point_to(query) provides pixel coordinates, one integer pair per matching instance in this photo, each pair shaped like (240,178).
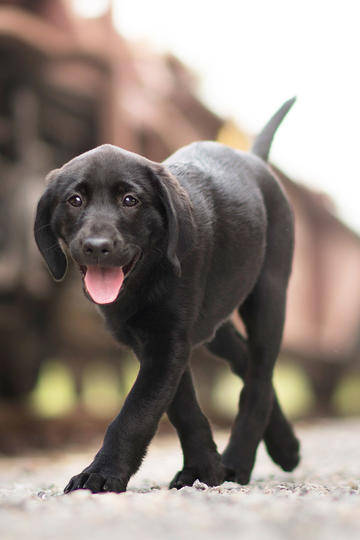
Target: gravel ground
(321,499)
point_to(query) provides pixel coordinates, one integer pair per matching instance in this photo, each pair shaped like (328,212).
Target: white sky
(251,55)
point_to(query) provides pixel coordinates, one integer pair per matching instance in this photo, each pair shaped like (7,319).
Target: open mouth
(104,283)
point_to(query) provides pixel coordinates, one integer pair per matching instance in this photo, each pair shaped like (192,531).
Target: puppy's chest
(141,330)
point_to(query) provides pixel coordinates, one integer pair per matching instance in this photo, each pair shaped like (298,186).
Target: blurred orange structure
(322,328)
(94,86)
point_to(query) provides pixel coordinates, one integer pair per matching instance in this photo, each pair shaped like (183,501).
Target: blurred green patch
(54,394)
(226,393)
(291,385)
(101,394)
(347,396)
(104,389)
(293,390)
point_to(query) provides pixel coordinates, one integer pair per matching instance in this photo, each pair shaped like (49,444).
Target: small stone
(200,485)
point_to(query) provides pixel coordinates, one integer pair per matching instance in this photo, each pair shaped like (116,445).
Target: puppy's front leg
(201,459)
(162,364)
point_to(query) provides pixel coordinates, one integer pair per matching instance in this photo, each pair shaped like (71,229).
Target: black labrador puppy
(168,251)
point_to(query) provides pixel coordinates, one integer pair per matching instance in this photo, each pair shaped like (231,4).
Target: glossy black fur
(212,233)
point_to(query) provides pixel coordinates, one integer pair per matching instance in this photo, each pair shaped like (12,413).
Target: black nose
(98,247)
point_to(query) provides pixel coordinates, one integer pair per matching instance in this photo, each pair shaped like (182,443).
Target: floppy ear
(45,237)
(179,216)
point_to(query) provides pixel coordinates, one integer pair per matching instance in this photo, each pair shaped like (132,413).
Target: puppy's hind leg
(201,459)
(263,313)
(279,438)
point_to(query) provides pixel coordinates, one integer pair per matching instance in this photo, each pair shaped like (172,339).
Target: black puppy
(169,251)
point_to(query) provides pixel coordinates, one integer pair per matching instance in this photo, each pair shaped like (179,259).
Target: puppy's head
(116,212)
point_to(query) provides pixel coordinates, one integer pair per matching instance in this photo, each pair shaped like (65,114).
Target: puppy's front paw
(212,476)
(239,476)
(96,483)
(237,468)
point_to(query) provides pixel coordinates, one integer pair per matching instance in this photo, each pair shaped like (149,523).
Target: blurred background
(151,77)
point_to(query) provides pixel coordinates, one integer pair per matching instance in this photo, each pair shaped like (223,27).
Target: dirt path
(320,500)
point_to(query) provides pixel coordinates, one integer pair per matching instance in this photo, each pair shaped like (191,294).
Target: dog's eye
(75,200)
(129,200)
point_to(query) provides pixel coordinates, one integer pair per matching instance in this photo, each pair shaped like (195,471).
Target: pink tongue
(103,283)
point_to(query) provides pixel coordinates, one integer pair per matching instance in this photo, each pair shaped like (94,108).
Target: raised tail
(262,143)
